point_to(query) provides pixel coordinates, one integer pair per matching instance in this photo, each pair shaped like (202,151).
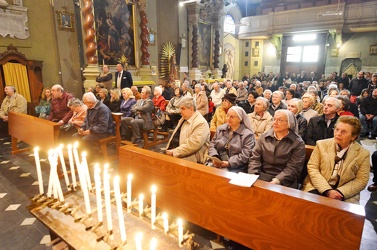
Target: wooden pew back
(265,216)
(32,130)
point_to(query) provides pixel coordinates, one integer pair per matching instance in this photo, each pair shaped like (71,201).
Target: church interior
(67,42)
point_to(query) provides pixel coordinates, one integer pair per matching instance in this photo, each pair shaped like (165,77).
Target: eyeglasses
(279,120)
(231,116)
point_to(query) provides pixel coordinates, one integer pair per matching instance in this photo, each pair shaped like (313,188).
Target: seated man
(368,112)
(12,102)
(142,116)
(190,139)
(60,112)
(322,127)
(98,122)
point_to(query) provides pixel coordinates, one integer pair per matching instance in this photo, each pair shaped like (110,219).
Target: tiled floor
(20,230)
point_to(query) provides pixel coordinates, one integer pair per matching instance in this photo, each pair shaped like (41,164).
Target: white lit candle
(97,181)
(138,239)
(129,182)
(84,164)
(153,206)
(72,166)
(84,189)
(180,232)
(106,187)
(50,184)
(165,222)
(62,162)
(57,181)
(118,199)
(141,204)
(39,172)
(153,244)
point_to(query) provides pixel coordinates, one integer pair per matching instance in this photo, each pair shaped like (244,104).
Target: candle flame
(164,215)
(154,189)
(76,144)
(116,179)
(50,152)
(61,146)
(69,146)
(36,149)
(129,177)
(179,222)
(141,197)
(139,236)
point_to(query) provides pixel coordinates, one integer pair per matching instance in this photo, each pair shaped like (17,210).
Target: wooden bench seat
(114,138)
(264,216)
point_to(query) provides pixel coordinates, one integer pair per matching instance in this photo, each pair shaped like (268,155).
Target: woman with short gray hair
(261,119)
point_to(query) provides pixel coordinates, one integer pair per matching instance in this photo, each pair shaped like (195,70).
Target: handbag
(159,118)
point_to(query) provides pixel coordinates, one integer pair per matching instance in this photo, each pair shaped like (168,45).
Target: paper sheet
(244,180)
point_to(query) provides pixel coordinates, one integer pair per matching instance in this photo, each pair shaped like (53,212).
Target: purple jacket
(125,107)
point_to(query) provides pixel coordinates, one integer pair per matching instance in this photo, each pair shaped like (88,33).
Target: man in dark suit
(123,78)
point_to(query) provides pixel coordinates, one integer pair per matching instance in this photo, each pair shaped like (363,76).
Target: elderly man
(190,139)
(241,93)
(229,89)
(142,116)
(217,94)
(136,93)
(60,112)
(98,122)
(277,103)
(123,78)
(368,114)
(322,127)
(12,102)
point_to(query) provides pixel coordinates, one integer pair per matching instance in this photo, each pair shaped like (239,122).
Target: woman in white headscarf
(279,155)
(233,141)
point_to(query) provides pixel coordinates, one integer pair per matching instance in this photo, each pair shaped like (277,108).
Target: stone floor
(20,230)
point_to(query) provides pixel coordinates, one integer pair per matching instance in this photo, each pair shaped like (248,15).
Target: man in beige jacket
(12,102)
(190,139)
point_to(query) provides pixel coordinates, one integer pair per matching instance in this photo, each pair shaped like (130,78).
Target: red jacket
(160,102)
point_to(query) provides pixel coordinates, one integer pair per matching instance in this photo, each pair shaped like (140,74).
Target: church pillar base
(90,73)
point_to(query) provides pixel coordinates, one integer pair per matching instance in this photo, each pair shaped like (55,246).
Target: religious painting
(114,20)
(205,44)
(65,20)
(373,50)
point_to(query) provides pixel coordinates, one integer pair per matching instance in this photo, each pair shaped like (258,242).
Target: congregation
(257,125)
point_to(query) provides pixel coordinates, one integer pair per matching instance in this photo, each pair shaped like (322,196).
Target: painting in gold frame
(205,45)
(65,20)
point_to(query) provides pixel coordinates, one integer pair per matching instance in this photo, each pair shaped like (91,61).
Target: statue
(172,67)
(224,70)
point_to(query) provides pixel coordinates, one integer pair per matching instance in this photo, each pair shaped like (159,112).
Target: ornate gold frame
(373,49)
(65,20)
(152,37)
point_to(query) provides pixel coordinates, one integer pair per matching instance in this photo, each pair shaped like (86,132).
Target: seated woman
(114,103)
(219,118)
(103,96)
(307,103)
(295,106)
(43,109)
(289,95)
(158,100)
(233,141)
(127,102)
(261,120)
(345,105)
(201,100)
(172,109)
(339,167)
(279,155)
(77,120)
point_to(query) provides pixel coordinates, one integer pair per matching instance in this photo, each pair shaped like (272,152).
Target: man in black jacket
(322,127)
(123,78)
(357,85)
(368,114)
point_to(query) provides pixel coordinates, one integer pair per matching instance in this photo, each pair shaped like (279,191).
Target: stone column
(145,71)
(91,71)
(193,12)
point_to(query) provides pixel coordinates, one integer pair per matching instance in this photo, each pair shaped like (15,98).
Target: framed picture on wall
(65,20)
(373,50)
(152,37)
(205,44)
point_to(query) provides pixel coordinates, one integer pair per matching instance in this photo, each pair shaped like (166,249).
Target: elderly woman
(233,141)
(127,102)
(276,102)
(201,100)
(158,100)
(279,155)
(219,118)
(78,118)
(344,105)
(339,167)
(267,94)
(105,77)
(115,101)
(261,120)
(307,103)
(295,106)
(172,109)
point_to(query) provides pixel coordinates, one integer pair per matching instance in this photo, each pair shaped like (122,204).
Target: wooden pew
(265,216)
(114,138)
(32,130)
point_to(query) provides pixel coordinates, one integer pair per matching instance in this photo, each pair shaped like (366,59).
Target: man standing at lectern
(190,139)
(123,78)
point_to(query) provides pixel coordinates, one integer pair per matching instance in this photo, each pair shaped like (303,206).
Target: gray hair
(159,90)
(281,94)
(346,91)
(75,102)
(198,85)
(266,102)
(12,87)
(147,90)
(90,97)
(298,104)
(267,90)
(58,87)
(188,102)
(334,100)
